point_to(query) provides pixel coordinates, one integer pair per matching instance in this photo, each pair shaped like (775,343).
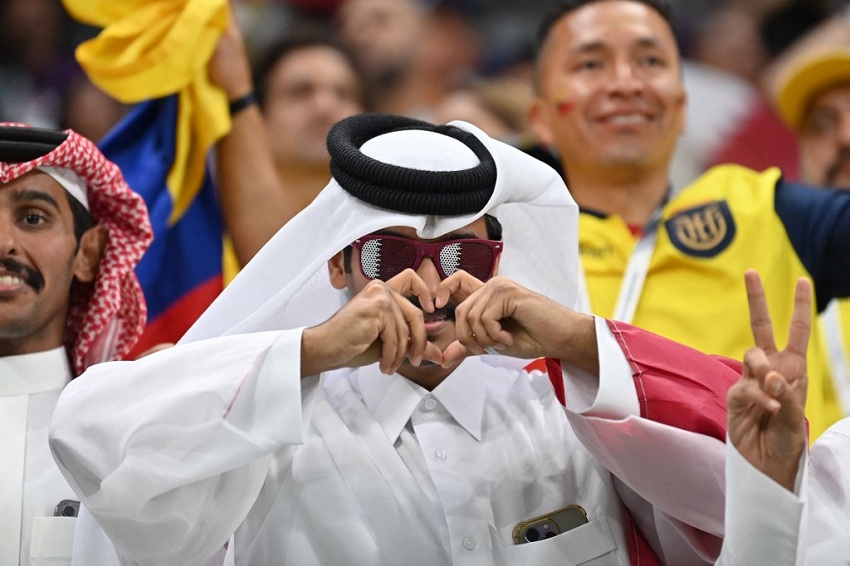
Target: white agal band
(72,183)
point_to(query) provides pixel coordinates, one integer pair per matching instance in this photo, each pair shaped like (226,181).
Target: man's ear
(336,271)
(538,122)
(87,260)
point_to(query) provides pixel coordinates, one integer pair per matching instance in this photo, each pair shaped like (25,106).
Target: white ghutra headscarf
(286,285)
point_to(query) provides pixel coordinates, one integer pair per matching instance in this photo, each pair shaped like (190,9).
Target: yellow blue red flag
(154,53)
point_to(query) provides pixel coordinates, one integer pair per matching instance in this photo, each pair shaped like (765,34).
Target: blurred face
(383,33)
(825,139)
(466,106)
(610,93)
(38,262)
(309,90)
(439,325)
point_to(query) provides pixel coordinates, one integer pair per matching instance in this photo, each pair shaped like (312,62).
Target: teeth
(10,280)
(628,119)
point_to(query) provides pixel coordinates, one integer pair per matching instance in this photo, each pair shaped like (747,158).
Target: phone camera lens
(532,535)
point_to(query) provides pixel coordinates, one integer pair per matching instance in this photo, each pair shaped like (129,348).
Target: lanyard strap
(830,321)
(633,279)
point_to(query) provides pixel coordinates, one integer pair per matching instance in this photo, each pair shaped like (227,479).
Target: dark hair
(276,52)
(561,8)
(82,218)
(494,232)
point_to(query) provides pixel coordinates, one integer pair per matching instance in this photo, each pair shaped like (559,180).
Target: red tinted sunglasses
(384,257)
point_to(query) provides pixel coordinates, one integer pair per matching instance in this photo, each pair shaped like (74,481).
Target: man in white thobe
(377,404)
(71,231)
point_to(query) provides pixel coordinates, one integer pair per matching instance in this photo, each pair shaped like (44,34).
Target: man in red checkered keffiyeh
(106,312)
(71,234)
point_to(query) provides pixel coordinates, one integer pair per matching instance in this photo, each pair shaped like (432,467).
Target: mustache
(30,276)
(446,312)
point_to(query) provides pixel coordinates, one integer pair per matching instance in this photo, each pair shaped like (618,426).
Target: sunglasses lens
(384,258)
(472,257)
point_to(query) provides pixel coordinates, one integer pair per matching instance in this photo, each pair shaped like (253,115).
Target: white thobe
(221,436)
(767,524)
(31,484)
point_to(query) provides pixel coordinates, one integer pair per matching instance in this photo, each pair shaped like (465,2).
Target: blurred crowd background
(448,51)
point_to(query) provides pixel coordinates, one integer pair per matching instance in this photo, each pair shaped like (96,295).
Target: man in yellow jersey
(813,97)
(611,101)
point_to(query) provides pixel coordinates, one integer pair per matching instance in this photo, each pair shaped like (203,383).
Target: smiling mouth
(629,119)
(10,280)
(15,274)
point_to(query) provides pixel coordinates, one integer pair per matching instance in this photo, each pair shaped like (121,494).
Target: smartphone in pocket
(549,525)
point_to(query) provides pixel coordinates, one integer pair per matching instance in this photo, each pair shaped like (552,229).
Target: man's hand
(501,316)
(378,324)
(766,417)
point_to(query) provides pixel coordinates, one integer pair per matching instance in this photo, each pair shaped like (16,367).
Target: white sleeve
(671,479)
(829,496)
(612,394)
(764,521)
(169,452)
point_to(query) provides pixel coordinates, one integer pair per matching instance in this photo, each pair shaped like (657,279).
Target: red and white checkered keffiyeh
(106,317)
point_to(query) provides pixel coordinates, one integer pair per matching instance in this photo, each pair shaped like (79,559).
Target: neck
(633,197)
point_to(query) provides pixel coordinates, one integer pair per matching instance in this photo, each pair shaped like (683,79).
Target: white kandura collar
(27,374)
(392,399)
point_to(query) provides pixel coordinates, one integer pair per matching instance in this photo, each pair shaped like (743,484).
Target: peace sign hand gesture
(766,418)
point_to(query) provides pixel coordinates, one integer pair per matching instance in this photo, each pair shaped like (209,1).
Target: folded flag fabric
(180,273)
(154,53)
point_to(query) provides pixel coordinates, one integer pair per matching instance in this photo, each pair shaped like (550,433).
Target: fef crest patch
(703,231)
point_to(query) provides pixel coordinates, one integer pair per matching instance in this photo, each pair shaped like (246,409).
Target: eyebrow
(25,195)
(592,46)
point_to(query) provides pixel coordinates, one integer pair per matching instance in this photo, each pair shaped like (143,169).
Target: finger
(432,353)
(402,330)
(748,398)
(392,326)
(458,287)
(409,283)
(472,315)
(454,354)
(389,341)
(493,319)
(760,322)
(756,365)
(801,319)
(418,338)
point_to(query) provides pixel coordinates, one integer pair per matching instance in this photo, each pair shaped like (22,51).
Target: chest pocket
(52,541)
(591,544)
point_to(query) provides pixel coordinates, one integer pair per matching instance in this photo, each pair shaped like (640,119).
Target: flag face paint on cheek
(563,105)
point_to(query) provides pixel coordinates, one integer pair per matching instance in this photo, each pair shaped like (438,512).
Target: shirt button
(430,404)
(469,543)
(440,454)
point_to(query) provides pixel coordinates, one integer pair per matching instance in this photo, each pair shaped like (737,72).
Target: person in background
(71,232)
(412,51)
(497,105)
(274,161)
(610,100)
(812,94)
